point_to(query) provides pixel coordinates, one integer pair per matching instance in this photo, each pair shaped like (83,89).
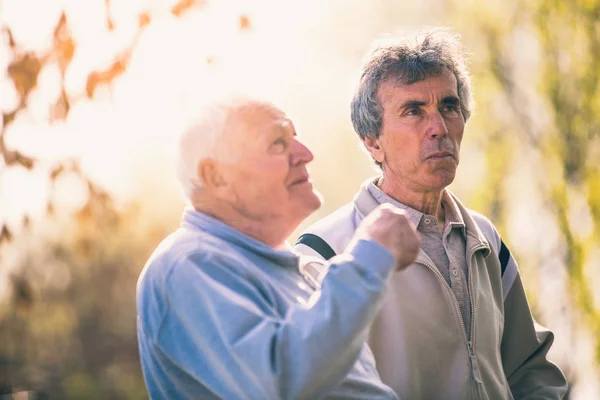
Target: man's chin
(316,200)
(311,202)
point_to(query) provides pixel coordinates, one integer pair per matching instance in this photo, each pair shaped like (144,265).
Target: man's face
(421,134)
(266,171)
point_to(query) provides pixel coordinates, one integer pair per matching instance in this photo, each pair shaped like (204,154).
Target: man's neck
(272,232)
(427,202)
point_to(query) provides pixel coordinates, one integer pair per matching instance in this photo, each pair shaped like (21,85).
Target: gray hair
(409,59)
(200,140)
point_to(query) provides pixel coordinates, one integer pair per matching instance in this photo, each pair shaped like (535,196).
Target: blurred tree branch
(569,40)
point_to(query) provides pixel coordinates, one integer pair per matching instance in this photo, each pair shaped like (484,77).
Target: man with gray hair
(224,310)
(456,323)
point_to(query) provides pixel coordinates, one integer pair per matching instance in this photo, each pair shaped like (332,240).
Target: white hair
(201,138)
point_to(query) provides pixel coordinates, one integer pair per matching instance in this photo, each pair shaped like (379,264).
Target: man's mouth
(439,155)
(300,180)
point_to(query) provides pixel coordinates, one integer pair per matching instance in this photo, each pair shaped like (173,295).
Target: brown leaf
(7,118)
(244,22)
(144,19)
(61,108)
(74,166)
(183,6)
(109,22)
(25,161)
(5,234)
(93,80)
(24,72)
(64,46)
(11,39)
(61,26)
(106,77)
(15,157)
(50,208)
(56,171)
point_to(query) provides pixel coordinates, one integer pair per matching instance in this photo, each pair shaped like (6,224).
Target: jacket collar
(199,221)
(364,203)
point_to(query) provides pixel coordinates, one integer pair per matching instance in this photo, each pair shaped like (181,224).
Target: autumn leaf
(61,107)
(24,72)
(64,46)
(50,208)
(109,22)
(25,161)
(5,234)
(7,118)
(26,222)
(97,78)
(144,19)
(244,22)
(56,171)
(11,40)
(185,5)
(15,157)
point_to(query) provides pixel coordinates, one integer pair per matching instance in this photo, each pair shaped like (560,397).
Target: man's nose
(436,127)
(300,153)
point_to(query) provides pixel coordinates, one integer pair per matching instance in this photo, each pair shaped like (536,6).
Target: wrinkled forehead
(255,119)
(396,87)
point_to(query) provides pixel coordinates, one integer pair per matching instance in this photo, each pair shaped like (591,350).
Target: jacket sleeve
(525,344)
(220,332)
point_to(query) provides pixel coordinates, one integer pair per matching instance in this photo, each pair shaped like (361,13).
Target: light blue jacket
(221,315)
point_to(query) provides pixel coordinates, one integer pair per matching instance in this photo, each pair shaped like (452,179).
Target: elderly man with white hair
(224,310)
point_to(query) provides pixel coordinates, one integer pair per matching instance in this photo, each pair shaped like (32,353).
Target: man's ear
(375,149)
(211,175)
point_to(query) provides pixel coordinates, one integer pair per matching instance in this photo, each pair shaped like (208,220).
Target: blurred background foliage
(91,103)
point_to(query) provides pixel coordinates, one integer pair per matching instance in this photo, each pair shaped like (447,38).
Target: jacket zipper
(474,364)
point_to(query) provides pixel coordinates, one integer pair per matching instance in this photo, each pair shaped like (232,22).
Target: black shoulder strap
(320,246)
(317,244)
(504,256)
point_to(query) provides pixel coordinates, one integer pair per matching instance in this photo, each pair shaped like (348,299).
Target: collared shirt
(446,250)
(221,315)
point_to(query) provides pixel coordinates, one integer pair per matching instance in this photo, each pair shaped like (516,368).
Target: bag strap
(504,256)
(324,249)
(317,244)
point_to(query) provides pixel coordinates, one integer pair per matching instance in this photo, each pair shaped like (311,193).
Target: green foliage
(566,39)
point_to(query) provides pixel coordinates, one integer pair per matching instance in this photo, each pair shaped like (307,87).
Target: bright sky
(124,135)
(304,55)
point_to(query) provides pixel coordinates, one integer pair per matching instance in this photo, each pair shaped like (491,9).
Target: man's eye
(450,108)
(412,111)
(279,145)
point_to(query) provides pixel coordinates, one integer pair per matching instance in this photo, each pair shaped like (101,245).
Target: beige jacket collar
(364,203)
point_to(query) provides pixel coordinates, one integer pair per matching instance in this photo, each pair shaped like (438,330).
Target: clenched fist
(389,226)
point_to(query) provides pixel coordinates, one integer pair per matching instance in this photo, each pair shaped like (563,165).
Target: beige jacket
(418,338)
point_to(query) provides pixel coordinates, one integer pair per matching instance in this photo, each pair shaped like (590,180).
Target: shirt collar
(197,220)
(453,215)
(381,197)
